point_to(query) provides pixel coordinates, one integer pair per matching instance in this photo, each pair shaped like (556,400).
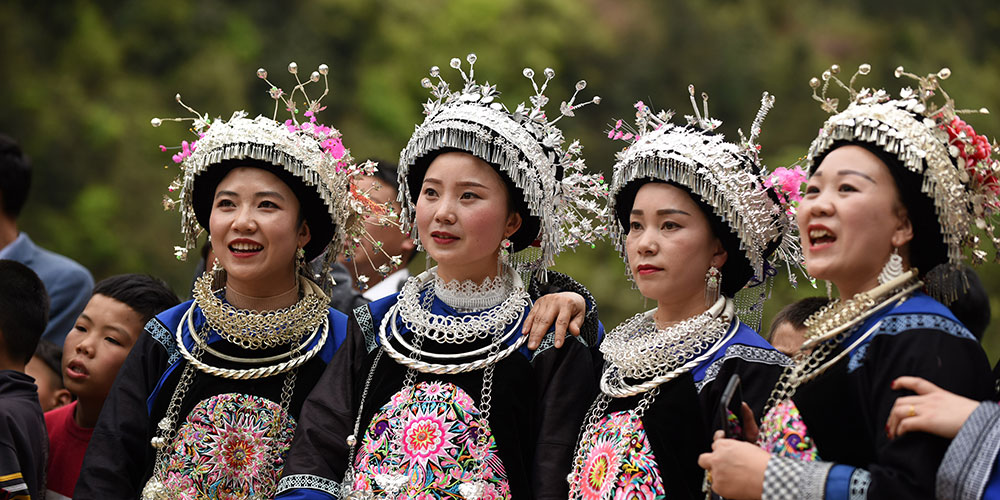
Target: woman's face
(462,216)
(850,219)
(670,247)
(255,231)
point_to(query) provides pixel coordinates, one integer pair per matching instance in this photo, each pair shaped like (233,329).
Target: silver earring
(892,269)
(713,282)
(218,275)
(504,260)
(829,290)
(300,261)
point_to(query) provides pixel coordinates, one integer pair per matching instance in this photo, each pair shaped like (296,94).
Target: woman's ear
(513,224)
(304,235)
(903,232)
(719,255)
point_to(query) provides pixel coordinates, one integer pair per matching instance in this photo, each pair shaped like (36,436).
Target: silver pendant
(390,483)
(472,490)
(154,490)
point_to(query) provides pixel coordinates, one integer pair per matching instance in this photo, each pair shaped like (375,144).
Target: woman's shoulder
(745,346)
(922,312)
(163,327)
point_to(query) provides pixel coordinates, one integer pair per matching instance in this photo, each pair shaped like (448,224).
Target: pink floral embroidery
(438,433)
(229,446)
(619,457)
(784,434)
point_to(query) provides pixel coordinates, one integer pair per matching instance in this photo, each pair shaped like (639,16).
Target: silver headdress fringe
(726,176)
(310,151)
(526,146)
(924,136)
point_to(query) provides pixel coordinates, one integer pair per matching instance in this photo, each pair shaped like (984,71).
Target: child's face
(787,339)
(97,346)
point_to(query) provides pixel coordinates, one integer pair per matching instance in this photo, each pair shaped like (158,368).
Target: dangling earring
(892,269)
(829,290)
(504,260)
(218,275)
(713,282)
(300,264)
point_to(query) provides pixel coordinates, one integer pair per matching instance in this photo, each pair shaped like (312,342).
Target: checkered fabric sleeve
(788,478)
(972,455)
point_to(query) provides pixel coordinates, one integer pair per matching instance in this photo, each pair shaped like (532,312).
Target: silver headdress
(525,146)
(311,152)
(959,168)
(726,176)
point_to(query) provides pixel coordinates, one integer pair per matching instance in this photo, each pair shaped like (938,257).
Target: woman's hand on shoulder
(932,409)
(566,310)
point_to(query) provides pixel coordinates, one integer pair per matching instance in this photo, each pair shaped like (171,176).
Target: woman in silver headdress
(207,402)
(695,223)
(894,187)
(435,394)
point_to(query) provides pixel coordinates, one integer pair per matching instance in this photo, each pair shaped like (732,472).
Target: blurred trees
(82,78)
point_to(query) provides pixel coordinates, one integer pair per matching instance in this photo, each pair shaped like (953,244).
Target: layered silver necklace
(502,302)
(639,350)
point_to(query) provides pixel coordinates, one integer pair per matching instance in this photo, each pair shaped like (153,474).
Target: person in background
(46,368)
(788,328)
(68,284)
(94,351)
(24,311)
(383,187)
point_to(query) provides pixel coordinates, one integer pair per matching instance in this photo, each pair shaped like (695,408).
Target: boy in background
(46,368)
(788,328)
(24,312)
(93,352)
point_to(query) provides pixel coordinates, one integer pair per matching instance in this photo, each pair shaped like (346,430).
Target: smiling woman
(209,399)
(893,192)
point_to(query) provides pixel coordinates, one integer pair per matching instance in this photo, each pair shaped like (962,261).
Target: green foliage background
(82,78)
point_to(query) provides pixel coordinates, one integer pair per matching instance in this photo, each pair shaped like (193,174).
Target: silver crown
(727,176)
(524,144)
(923,130)
(304,147)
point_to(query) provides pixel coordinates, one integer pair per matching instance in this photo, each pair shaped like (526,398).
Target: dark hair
(972,307)
(927,248)
(142,293)
(388,173)
(24,309)
(797,313)
(51,355)
(15,176)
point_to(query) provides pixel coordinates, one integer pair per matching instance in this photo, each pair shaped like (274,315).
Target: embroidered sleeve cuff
(967,464)
(788,478)
(291,487)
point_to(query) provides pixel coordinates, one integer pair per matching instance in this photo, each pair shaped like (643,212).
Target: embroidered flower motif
(437,431)
(423,438)
(620,459)
(229,446)
(784,434)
